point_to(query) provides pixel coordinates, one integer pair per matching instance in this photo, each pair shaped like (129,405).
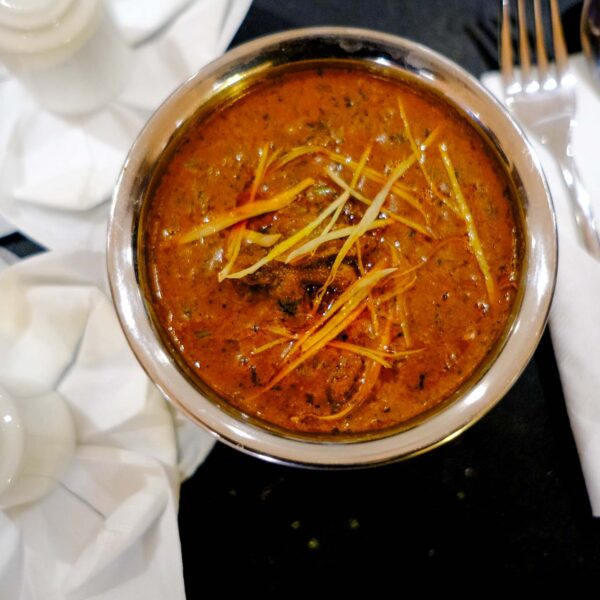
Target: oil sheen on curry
(333,251)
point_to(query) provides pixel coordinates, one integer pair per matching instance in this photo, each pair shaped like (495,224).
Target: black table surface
(507,497)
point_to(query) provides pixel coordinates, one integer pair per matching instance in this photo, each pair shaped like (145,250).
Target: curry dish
(333,251)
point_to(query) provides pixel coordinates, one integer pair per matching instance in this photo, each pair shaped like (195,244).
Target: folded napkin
(574,317)
(108,530)
(139,25)
(57,173)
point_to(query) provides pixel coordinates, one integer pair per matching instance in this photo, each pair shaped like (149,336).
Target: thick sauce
(358,333)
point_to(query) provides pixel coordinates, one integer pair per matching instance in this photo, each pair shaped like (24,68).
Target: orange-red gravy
(230,333)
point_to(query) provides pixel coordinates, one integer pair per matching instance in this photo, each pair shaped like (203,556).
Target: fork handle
(582,208)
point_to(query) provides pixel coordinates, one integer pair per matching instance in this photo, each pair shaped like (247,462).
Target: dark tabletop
(505,498)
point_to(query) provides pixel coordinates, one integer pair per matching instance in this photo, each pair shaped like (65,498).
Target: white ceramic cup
(68,54)
(37,441)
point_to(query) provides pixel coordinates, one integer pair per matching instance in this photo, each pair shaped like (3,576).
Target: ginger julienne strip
(472,234)
(245,211)
(368,218)
(234,243)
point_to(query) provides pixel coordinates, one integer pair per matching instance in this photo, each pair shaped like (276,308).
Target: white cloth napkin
(57,173)
(6,258)
(5,227)
(575,316)
(138,25)
(109,529)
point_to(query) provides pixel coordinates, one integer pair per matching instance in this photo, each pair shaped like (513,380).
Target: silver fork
(542,97)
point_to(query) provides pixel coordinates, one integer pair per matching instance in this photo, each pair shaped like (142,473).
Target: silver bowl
(413,62)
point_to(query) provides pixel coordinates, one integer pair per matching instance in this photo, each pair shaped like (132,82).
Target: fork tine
(558,39)
(524,54)
(542,57)
(506,53)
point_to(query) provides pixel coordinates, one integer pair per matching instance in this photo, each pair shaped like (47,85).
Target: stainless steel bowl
(412,61)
